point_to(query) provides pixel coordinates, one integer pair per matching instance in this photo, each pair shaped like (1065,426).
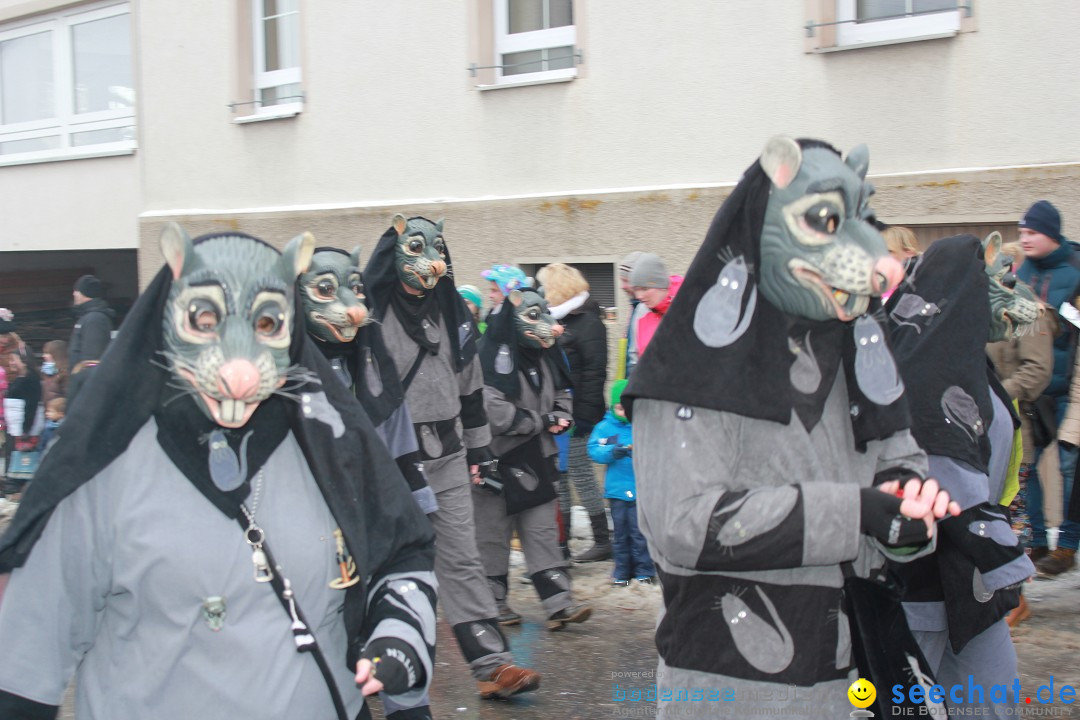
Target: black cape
(382,282)
(750,377)
(374,375)
(942,358)
(941,354)
(384,530)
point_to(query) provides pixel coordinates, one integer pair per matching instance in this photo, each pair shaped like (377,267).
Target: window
(599,275)
(534,40)
(881,21)
(276,25)
(66,86)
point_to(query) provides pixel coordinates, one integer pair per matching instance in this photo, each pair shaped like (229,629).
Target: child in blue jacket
(610,444)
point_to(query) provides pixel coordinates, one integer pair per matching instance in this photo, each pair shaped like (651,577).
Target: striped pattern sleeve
(402,606)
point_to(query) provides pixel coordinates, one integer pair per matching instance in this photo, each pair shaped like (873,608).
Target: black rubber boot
(601,549)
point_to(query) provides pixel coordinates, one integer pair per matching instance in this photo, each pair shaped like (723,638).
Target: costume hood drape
(746,376)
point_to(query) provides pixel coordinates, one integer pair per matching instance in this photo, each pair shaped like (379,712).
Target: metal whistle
(262,567)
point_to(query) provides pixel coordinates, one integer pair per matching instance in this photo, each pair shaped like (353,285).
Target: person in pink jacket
(656,289)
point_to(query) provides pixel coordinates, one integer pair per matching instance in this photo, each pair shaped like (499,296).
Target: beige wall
(88,204)
(677,93)
(670,223)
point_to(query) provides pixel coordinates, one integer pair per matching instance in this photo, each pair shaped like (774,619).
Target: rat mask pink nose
(238,379)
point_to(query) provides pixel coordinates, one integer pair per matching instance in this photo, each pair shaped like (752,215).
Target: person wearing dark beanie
(94,321)
(1043,217)
(1052,269)
(89,287)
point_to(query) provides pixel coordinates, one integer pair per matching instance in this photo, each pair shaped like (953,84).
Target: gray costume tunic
(536,526)
(763,569)
(114,592)
(435,402)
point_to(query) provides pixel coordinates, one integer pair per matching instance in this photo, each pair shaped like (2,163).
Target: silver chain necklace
(254,535)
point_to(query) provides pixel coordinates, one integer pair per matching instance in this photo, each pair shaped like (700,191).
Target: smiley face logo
(862,693)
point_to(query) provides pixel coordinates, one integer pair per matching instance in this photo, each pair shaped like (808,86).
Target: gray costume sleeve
(402,606)
(398,435)
(473,418)
(707,500)
(505,418)
(53,604)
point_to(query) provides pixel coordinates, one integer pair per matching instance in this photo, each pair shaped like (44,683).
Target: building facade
(575,130)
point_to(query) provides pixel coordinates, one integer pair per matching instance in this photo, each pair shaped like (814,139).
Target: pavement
(581,663)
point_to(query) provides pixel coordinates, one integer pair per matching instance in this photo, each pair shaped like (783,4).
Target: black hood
(940,322)
(778,363)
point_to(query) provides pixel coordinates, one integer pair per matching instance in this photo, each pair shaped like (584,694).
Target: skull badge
(213,610)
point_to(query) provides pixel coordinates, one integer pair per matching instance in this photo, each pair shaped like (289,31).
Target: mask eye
(823,217)
(268,320)
(326,289)
(533,314)
(440,247)
(415,246)
(358,289)
(203,316)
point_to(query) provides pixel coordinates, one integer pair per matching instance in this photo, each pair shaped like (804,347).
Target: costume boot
(601,549)
(508,680)
(1057,562)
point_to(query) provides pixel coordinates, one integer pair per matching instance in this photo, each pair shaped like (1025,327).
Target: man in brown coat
(1024,365)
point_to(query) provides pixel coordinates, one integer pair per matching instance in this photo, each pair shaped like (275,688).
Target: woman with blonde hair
(901,242)
(584,341)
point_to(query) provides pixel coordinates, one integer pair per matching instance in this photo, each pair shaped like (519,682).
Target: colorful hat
(507,277)
(616,391)
(472,294)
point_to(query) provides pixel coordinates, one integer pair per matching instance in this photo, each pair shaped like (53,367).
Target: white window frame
(879,32)
(66,121)
(506,43)
(265,80)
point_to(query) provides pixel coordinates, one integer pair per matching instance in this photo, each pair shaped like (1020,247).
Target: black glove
(549,420)
(396,665)
(621,451)
(881,518)
(479,456)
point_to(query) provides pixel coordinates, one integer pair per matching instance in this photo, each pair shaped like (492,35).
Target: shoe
(507,616)
(1057,562)
(598,552)
(644,580)
(1019,614)
(572,614)
(508,680)
(1038,553)
(620,583)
